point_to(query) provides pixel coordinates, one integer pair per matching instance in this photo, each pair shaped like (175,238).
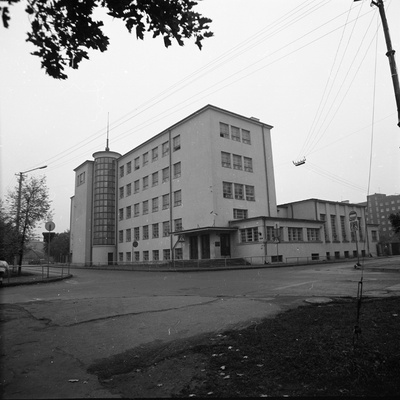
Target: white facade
(202,189)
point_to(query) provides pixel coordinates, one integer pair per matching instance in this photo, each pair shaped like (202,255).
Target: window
(154,179)
(295,234)
(145,158)
(374,235)
(270,233)
(145,207)
(177,198)
(166,254)
(239,214)
(136,186)
(165,174)
(80,180)
(176,142)
(165,201)
(155,230)
(250,196)
(121,192)
(154,204)
(177,170)
(227,190)
(239,194)
(129,168)
(235,133)
(154,154)
(249,235)
(121,171)
(156,255)
(145,182)
(128,256)
(225,159)
(248,164)
(178,224)
(178,253)
(322,217)
(128,212)
(136,233)
(246,136)
(237,161)
(146,255)
(165,228)
(165,149)
(136,210)
(128,189)
(313,234)
(333,225)
(128,235)
(224,130)
(145,230)
(120,257)
(137,163)
(120,236)
(121,214)
(137,256)
(343,227)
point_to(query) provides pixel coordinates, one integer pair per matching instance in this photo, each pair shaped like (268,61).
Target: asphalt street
(51,333)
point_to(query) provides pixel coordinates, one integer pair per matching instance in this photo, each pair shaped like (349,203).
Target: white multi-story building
(202,189)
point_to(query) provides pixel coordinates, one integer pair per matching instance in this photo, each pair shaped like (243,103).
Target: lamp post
(21,177)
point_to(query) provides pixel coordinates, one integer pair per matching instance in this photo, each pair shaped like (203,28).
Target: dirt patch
(309,351)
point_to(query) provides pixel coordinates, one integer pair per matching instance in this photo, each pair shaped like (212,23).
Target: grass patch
(308,351)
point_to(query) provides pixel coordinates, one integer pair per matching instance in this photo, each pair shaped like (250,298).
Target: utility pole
(17,222)
(390,54)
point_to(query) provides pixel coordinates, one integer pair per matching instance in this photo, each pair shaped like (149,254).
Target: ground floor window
(146,255)
(166,254)
(156,255)
(121,257)
(178,254)
(128,256)
(249,235)
(137,256)
(295,234)
(312,234)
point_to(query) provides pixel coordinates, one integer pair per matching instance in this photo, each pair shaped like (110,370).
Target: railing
(41,271)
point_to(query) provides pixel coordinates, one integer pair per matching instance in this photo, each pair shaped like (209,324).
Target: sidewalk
(381,264)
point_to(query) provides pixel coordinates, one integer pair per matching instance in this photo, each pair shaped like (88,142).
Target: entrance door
(205,246)
(194,250)
(225,245)
(110,258)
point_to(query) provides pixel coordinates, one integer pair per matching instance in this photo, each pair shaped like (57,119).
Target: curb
(32,282)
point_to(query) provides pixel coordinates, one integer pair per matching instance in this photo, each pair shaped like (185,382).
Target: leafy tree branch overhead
(64,30)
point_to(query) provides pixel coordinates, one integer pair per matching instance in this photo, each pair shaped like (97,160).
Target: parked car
(4,268)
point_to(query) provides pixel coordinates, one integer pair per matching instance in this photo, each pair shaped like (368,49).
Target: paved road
(52,332)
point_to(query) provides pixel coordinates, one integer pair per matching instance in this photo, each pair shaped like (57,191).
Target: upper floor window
(250,195)
(227,190)
(237,161)
(239,213)
(239,193)
(154,179)
(129,189)
(145,182)
(225,159)
(177,170)
(165,201)
(295,234)
(121,171)
(80,179)
(178,224)
(177,198)
(136,186)
(137,163)
(246,136)
(154,154)
(248,164)
(129,167)
(165,174)
(145,158)
(224,130)
(121,192)
(235,132)
(165,149)
(176,142)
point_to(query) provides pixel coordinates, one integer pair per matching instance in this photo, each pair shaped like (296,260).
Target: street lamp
(21,177)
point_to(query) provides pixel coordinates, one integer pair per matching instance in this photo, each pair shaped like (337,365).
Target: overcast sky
(313,69)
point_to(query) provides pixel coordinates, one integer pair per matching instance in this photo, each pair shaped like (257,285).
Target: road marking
(295,284)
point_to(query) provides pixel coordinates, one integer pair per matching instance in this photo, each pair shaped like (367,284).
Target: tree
(59,244)
(33,204)
(63,30)
(8,236)
(395,221)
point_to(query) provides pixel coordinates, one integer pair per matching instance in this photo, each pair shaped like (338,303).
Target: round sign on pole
(135,244)
(352,216)
(50,226)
